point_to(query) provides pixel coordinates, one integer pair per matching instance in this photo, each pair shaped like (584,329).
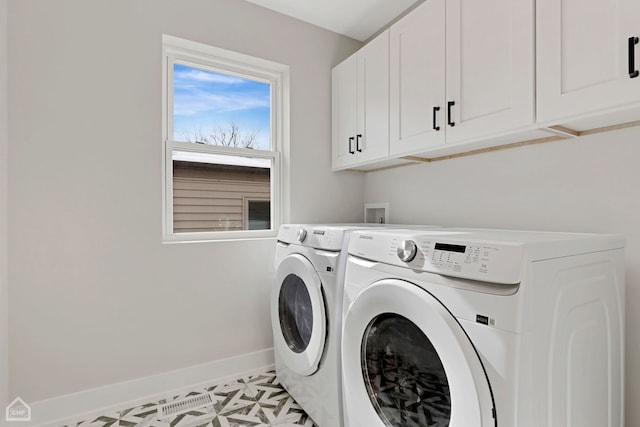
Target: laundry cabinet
(460,70)
(588,57)
(360,106)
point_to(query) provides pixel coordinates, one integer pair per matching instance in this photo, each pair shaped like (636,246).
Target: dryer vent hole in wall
(184,405)
(485,320)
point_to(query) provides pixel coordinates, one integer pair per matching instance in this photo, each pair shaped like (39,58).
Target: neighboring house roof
(219,159)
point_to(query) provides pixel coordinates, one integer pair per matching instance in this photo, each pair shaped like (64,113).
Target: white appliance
(479,328)
(306,316)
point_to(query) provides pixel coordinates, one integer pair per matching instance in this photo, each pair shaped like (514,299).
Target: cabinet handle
(633,41)
(358,136)
(350,147)
(435,127)
(449,105)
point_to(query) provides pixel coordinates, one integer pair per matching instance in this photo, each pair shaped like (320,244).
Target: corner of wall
(4,136)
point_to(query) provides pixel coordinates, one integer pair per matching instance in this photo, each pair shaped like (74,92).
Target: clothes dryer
(479,328)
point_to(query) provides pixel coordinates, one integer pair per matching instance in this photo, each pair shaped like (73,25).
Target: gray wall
(95,297)
(586,185)
(4,306)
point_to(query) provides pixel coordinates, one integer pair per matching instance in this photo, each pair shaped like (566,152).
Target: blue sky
(204,101)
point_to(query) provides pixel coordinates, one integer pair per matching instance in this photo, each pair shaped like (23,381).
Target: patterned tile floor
(256,401)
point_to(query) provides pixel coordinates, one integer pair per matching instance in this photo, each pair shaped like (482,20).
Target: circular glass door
(298,315)
(408,362)
(403,374)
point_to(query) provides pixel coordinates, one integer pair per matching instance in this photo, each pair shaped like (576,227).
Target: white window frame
(177,50)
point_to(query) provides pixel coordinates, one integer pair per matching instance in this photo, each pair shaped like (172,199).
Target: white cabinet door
(372,137)
(583,56)
(478,74)
(417,80)
(490,67)
(344,113)
(360,106)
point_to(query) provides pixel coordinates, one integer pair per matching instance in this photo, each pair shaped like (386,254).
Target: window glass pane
(403,373)
(209,191)
(259,214)
(220,109)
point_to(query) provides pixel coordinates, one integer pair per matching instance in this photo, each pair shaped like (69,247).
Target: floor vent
(184,405)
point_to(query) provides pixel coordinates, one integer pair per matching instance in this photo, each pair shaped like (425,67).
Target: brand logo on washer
(366,237)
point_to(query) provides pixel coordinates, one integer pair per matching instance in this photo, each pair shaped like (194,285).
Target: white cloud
(199,76)
(196,102)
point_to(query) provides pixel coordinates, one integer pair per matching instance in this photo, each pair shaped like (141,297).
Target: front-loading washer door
(298,315)
(408,362)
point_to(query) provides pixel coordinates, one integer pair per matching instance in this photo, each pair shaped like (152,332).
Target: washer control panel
(497,262)
(454,257)
(319,237)
(407,250)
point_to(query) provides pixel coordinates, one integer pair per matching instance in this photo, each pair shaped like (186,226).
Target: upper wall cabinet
(588,57)
(360,106)
(417,80)
(460,70)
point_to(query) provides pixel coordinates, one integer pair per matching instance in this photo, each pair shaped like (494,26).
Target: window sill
(219,236)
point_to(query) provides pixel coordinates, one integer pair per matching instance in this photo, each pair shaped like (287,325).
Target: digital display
(450,248)
(319,232)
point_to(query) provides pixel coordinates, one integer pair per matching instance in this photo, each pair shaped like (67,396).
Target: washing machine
(306,316)
(483,328)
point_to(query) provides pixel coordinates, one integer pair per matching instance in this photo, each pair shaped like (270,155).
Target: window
(225,132)
(257,214)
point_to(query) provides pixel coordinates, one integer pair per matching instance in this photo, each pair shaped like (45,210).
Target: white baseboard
(82,405)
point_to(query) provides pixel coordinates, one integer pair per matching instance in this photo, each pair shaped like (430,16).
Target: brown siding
(212,200)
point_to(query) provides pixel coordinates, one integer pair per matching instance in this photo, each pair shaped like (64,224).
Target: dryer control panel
(437,252)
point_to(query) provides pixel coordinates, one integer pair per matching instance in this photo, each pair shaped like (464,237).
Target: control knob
(302,234)
(407,250)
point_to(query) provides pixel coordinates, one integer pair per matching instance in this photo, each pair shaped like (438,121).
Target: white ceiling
(358,19)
